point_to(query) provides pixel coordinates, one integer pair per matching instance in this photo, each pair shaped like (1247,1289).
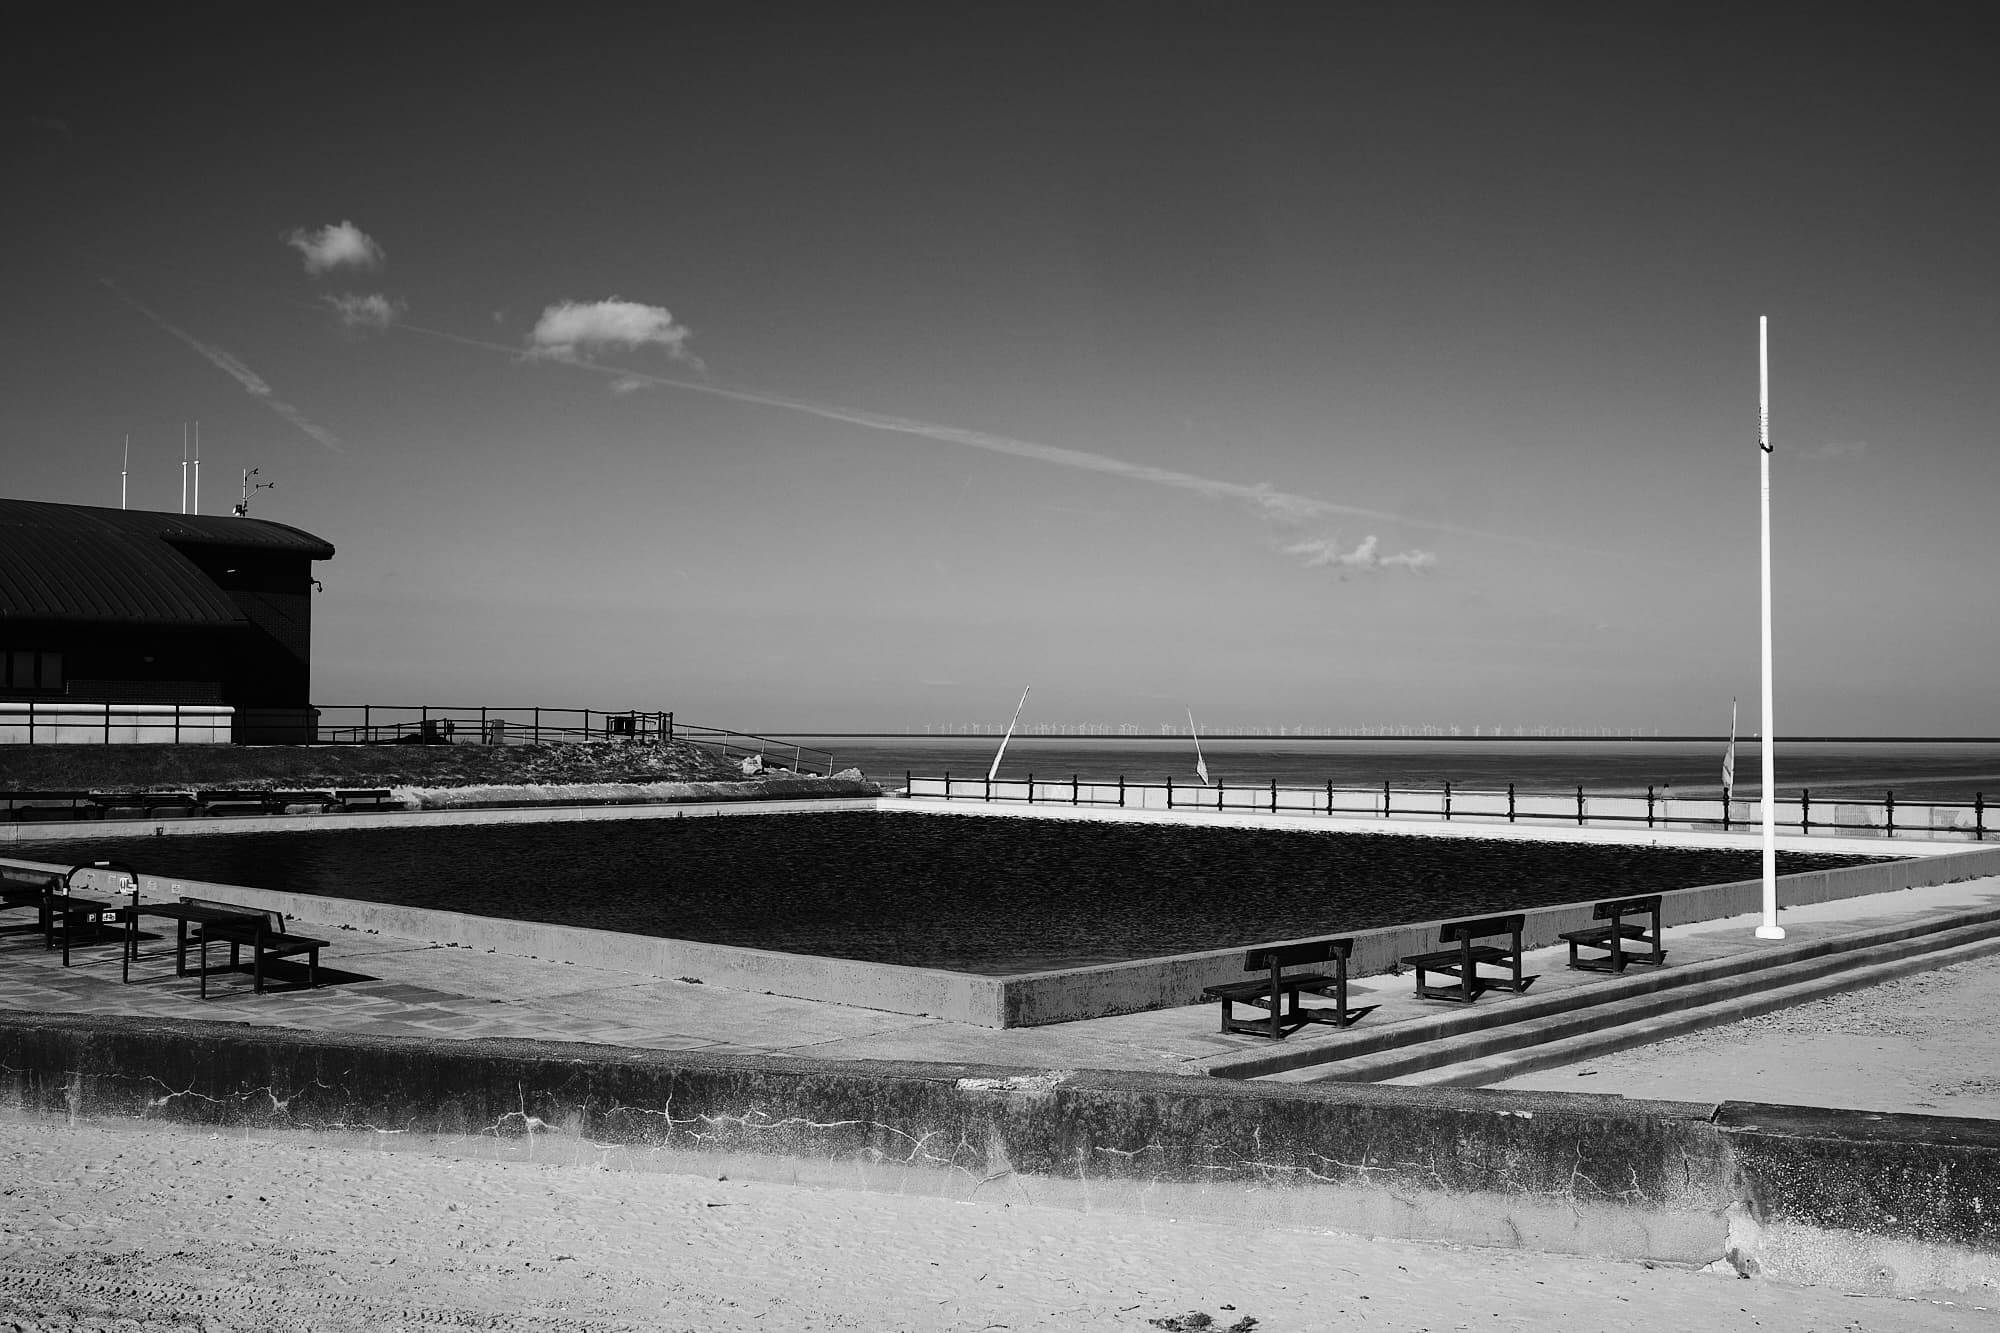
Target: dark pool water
(971,894)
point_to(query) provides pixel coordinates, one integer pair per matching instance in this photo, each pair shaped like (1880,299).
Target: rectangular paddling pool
(982,895)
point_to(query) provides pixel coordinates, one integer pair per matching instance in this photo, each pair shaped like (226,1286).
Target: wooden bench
(1621,926)
(21,888)
(1278,992)
(1462,962)
(147,803)
(260,929)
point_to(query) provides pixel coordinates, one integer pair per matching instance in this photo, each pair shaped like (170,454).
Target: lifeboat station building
(129,626)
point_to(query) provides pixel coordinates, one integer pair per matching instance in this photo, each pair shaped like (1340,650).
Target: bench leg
(1346,1017)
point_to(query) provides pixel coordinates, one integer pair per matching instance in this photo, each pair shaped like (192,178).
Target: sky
(849,368)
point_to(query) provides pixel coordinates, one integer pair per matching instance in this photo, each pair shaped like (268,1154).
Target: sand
(134,1226)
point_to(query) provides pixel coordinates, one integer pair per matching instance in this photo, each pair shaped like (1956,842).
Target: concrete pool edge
(1021,1000)
(84,830)
(1892,1204)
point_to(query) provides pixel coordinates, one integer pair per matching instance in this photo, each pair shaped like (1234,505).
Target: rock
(850,775)
(754,764)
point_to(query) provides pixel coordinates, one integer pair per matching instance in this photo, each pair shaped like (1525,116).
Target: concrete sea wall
(1881,1203)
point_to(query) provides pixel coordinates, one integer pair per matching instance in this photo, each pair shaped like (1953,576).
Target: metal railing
(1887,818)
(432,724)
(77,722)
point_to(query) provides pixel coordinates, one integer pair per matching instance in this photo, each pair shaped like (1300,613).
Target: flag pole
(1767,748)
(994,771)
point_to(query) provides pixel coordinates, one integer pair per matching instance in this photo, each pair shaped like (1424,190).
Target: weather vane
(242,509)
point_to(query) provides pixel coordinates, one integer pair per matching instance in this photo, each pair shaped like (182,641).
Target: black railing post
(1447,800)
(1329,798)
(670,724)
(1979,816)
(1121,791)
(1725,809)
(1649,805)
(1579,807)
(947,784)
(1385,798)
(1170,793)
(1805,809)
(1274,796)
(1889,809)
(1510,803)
(1031,789)
(1074,790)
(989,787)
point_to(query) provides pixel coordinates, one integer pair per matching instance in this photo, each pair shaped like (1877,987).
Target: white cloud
(339,245)
(1323,552)
(577,330)
(373,311)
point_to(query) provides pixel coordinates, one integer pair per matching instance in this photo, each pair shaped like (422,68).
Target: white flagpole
(184,467)
(123,470)
(992,772)
(1768,742)
(1200,764)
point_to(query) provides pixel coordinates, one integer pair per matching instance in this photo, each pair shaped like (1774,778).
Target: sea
(1857,770)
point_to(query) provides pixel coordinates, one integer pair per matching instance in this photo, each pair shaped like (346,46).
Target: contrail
(251,381)
(1261,498)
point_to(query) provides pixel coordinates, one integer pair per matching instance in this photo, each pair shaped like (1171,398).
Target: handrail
(1450,802)
(379,724)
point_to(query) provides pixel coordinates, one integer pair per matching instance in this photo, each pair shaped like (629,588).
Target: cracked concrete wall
(1893,1203)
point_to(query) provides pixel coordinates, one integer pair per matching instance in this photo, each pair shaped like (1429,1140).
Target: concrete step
(1302,1061)
(1602,1009)
(1499,1066)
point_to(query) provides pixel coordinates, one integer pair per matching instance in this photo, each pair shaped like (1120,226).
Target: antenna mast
(184,467)
(123,470)
(197,467)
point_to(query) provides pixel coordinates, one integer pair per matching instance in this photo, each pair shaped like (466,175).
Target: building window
(31,669)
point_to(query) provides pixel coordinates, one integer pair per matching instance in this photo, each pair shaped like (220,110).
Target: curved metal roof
(79,562)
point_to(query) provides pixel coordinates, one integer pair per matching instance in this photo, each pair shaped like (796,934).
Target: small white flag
(1200,764)
(1729,755)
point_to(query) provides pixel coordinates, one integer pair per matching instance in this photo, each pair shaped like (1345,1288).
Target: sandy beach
(140,1227)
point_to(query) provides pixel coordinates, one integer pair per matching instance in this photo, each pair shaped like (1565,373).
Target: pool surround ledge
(1023,1000)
